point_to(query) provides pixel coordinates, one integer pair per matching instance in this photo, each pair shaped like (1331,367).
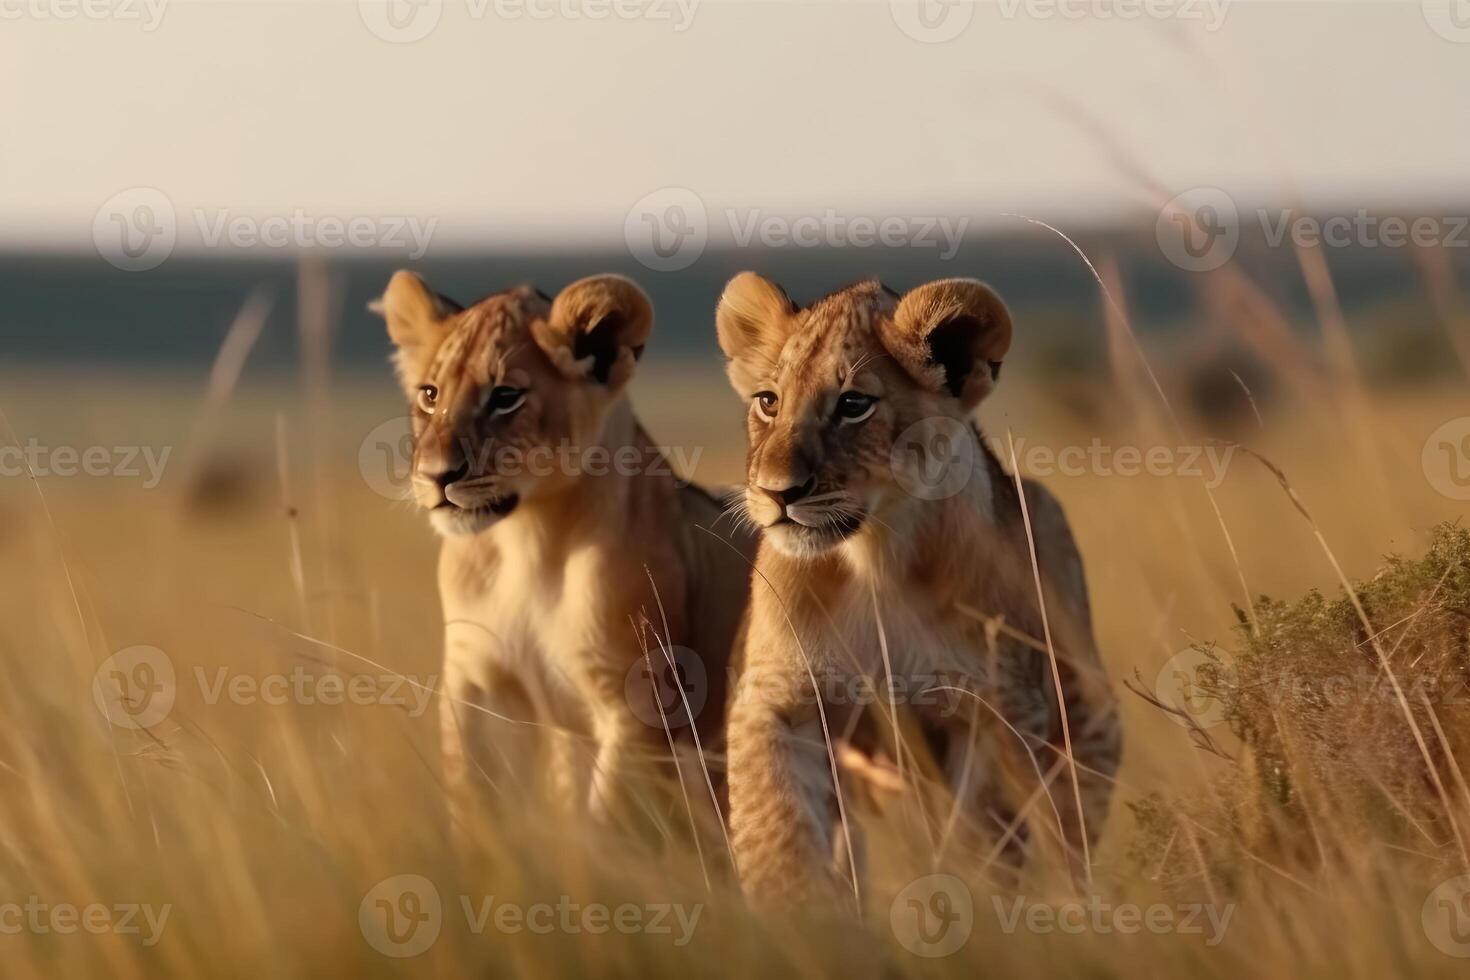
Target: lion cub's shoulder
(1057,553)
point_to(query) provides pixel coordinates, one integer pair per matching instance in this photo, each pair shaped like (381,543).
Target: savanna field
(1294,786)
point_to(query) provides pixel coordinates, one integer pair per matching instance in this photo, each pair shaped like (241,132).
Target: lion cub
(896,550)
(570,547)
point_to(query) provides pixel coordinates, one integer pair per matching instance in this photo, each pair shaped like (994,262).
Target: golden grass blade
(1056,676)
(1044,782)
(888,675)
(293,528)
(224,375)
(693,728)
(71,584)
(1163,400)
(669,734)
(1444,290)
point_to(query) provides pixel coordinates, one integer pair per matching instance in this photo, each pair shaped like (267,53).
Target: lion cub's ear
(418,320)
(754,319)
(950,336)
(596,330)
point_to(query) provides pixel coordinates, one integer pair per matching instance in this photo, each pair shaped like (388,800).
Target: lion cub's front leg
(615,777)
(569,764)
(626,741)
(487,738)
(783,803)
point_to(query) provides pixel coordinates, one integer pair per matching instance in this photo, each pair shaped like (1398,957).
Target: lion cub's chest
(924,643)
(541,623)
(935,653)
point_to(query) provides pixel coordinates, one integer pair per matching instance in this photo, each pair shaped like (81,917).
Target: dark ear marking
(950,336)
(600,342)
(952,345)
(592,327)
(791,307)
(446,306)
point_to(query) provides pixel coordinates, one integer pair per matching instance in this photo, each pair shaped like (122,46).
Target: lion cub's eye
(765,405)
(428,395)
(505,399)
(854,406)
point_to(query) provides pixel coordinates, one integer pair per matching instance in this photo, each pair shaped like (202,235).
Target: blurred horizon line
(726,228)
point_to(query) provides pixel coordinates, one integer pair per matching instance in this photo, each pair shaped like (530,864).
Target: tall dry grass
(264,827)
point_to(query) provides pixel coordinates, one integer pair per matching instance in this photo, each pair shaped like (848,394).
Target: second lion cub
(898,550)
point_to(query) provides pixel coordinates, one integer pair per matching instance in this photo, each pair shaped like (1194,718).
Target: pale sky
(510,129)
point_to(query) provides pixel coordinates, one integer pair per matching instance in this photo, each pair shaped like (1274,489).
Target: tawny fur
(570,547)
(868,549)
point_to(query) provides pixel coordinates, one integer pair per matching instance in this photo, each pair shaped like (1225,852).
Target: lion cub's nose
(786,496)
(445,477)
(440,477)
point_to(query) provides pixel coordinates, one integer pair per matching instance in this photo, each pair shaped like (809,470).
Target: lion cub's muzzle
(480,495)
(805,510)
(459,499)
